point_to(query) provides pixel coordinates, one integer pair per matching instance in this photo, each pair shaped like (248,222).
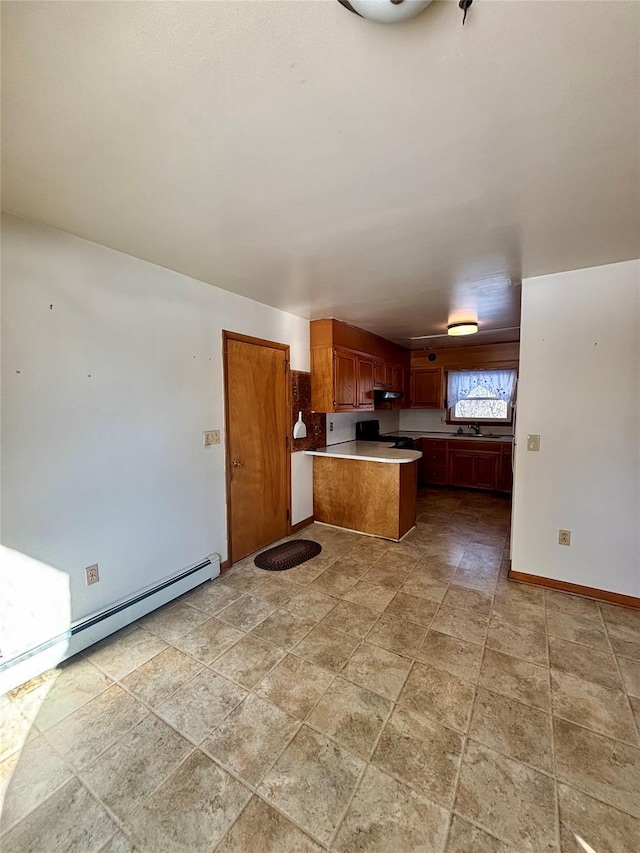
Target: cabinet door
(486,470)
(345,366)
(388,378)
(397,384)
(426,388)
(366,369)
(396,378)
(505,477)
(380,374)
(405,403)
(461,468)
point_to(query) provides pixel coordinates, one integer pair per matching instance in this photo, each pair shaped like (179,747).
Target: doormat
(287,555)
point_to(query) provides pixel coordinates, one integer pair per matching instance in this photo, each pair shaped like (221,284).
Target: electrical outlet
(211,436)
(330,426)
(91,574)
(533,442)
(564,537)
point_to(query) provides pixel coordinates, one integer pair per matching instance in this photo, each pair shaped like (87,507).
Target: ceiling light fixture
(386,11)
(393,11)
(483,332)
(458,329)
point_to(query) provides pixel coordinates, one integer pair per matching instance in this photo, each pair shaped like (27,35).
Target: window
(484,396)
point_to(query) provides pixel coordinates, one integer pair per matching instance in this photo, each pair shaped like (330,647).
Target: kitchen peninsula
(366,486)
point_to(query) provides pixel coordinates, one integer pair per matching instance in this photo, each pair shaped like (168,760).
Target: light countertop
(367,451)
(447,436)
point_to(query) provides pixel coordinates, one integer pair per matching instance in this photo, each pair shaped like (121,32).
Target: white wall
(111,370)
(344,424)
(580,390)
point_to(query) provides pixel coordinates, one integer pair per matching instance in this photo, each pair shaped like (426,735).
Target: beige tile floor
(381,697)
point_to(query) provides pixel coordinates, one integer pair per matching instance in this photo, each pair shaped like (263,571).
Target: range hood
(384,396)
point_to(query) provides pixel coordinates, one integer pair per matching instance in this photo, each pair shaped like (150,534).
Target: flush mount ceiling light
(458,329)
(393,11)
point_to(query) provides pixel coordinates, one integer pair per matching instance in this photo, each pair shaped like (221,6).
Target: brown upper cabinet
(349,364)
(427,388)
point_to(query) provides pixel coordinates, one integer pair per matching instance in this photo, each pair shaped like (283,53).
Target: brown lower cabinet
(433,465)
(471,464)
(378,498)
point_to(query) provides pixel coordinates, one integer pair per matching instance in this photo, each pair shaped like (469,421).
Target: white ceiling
(396,177)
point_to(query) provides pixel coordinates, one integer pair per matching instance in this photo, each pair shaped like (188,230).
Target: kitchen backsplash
(433,420)
(429,420)
(344,424)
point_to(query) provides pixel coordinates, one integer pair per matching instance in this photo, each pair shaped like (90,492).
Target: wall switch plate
(564,537)
(91,574)
(211,436)
(533,442)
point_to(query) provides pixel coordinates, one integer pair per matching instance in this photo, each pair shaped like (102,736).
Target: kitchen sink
(478,435)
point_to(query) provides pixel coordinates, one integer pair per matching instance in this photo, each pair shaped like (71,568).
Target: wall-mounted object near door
(315,421)
(300,428)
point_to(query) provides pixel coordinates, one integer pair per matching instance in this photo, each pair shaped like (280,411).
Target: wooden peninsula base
(371,497)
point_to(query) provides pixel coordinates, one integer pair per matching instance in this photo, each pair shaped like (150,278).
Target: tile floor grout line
(155,655)
(586,728)
(276,809)
(229,769)
(486,829)
(368,761)
(34,723)
(12,826)
(75,775)
(109,746)
(257,793)
(636,721)
(124,822)
(554,760)
(466,735)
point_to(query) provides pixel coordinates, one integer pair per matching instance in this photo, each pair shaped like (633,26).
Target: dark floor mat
(287,555)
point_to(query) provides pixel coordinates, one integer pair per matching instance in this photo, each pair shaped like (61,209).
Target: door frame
(262,342)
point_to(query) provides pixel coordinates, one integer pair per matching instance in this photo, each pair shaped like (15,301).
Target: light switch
(211,436)
(533,442)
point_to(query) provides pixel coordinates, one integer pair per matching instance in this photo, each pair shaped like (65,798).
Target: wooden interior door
(258,462)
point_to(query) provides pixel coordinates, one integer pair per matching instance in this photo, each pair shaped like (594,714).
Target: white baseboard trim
(90,629)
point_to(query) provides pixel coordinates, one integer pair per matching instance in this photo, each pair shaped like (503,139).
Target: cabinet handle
(237,463)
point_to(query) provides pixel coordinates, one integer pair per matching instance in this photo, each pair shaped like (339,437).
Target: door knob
(236,463)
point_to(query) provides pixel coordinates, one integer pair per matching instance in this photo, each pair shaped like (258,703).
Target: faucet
(476,428)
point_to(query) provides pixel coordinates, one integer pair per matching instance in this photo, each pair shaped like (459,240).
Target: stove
(370,431)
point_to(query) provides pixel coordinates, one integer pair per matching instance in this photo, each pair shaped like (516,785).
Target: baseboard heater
(90,629)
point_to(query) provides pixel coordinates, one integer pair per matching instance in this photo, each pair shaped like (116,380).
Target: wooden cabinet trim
(332,333)
(468,357)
